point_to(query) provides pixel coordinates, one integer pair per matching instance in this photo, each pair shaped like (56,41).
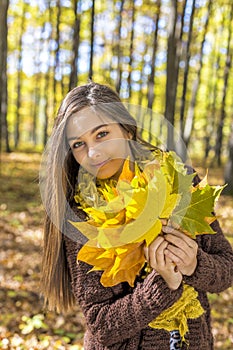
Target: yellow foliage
(119,264)
(128,214)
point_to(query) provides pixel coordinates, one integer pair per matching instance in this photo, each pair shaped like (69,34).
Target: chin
(104,176)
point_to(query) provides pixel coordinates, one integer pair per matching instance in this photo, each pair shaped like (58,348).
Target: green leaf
(176,173)
(195,208)
(177,181)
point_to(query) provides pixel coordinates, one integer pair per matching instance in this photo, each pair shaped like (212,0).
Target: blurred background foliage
(174,57)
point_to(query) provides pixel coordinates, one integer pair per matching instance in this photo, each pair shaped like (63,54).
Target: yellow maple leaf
(171,201)
(119,264)
(96,256)
(134,210)
(127,174)
(88,229)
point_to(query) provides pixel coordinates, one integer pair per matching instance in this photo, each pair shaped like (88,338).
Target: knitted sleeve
(119,311)
(214,272)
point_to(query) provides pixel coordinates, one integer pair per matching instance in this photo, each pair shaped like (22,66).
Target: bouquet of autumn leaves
(124,216)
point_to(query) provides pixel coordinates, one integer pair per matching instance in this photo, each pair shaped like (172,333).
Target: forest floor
(24,324)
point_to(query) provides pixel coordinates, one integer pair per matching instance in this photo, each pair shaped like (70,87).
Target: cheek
(79,157)
(119,148)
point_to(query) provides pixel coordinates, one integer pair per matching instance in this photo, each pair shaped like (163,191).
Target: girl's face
(98,144)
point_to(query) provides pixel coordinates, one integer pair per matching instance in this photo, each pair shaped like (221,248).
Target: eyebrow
(92,132)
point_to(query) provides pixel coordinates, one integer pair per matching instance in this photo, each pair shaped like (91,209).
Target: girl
(94,132)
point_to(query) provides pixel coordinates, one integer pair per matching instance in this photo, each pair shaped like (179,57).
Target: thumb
(146,252)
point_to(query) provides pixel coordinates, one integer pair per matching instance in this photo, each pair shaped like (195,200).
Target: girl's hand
(157,259)
(181,249)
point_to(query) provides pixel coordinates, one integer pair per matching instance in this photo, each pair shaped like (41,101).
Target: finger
(180,255)
(174,225)
(172,264)
(169,229)
(164,222)
(156,243)
(177,255)
(185,263)
(146,253)
(156,252)
(175,237)
(159,254)
(153,248)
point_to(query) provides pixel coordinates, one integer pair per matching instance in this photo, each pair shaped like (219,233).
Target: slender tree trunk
(47,82)
(140,120)
(210,117)
(36,102)
(4,136)
(217,76)
(46,108)
(179,55)
(172,74)
(119,72)
(151,80)
(219,139)
(75,50)
(56,68)
(186,71)
(92,39)
(131,48)
(190,114)
(228,173)
(19,80)
(37,89)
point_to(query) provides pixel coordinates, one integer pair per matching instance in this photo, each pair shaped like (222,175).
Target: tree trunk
(119,72)
(37,89)
(190,114)
(47,82)
(19,80)
(4,137)
(216,73)
(228,174)
(75,50)
(131,48)
(182,147)
(57,52)
(151,80)
(35,108)
(210,113)
(172,74)
(92,40)
(219,139)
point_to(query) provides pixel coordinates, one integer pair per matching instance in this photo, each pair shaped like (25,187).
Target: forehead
(84,121)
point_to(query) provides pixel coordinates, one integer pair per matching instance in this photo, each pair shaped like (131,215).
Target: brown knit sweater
(117,318)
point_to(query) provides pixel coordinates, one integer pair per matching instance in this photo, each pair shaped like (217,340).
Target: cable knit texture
(118,317)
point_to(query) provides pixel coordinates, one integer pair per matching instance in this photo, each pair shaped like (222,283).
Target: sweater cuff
(204,273)
(156,296)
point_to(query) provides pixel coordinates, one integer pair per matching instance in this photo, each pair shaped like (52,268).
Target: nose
(93,152)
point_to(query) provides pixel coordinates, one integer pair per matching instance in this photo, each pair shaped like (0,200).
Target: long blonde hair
(59,186)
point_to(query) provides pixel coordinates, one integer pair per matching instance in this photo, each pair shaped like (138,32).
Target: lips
(100,164)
